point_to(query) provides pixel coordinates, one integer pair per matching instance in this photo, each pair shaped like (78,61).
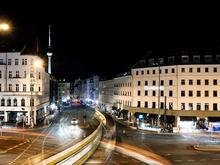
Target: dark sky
(107,39)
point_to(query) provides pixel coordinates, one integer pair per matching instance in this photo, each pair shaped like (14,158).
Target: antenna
(49,42)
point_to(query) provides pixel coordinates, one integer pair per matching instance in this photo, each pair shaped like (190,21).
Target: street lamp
(4,27)
(37,64)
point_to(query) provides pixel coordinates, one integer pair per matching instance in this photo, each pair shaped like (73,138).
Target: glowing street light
(4,27)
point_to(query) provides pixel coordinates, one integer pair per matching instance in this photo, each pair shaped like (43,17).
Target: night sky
(108,39)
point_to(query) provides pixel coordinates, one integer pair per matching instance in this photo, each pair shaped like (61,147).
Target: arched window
(22,102)
(2,102)
(32,102)
(15,102)
(9,102)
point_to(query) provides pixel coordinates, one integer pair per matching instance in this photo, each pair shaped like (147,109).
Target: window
(9,102)
(190,70)
(10,74)
(206,93)
(206,106)
(15,102)
(24,88)
(138,104)
(154,83)
(17,74)
(198,82)
(190,82)
(161,93)
(198,93)
(3,102)
(185,59)
(162,82)
(23,62)
(190,93)
(146,104)
(146,83)
(0,87)
(215,106)
(148,72)
(139,93)
(0,74)
(153,93)
(31,87)
(182,82)
(183,106)
(25,74)
(10,87)
(137,72)
(198,70)
(170,93)
(215,94)
(32,102)
(22,102)
(153,71)
(139,83)
(173,70)
(170,82)
(146,92)
(182,93)
(190,106)
(170,105)
(198,106)
(39,91)
(142,72)
(215,82)
(214,69)
(196,58)
(9,61)
(153,104)
(206,69)
(160,71)
(17,87)
(182,70)
(206,82)
(166,70)
(16,61)
(161,105)
(1,61)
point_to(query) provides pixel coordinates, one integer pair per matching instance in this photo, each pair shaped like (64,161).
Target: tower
(49,53)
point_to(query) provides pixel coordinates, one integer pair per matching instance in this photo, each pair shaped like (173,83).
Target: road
(176,148)
(45,142)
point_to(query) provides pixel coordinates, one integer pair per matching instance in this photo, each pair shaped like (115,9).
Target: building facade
(64,91)
(24,88)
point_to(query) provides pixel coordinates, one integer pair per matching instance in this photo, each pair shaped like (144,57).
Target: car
(74,121)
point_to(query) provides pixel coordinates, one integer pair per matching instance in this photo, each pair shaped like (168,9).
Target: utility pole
(158,92)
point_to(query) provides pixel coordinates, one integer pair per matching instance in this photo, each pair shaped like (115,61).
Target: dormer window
(161,60)
(196,58)
(185,59)
(218,58)
(208,58)
(151,61)
(171,59)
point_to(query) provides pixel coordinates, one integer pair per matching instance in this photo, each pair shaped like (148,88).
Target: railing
(81,151)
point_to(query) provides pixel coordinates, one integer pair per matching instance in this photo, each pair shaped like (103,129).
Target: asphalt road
(176,148)
(45,142)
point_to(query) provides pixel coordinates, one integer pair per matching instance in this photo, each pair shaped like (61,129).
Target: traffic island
(207,147)
(9,142)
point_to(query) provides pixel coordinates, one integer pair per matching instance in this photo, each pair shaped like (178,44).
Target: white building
(64,91)
(24,88)
(106,97)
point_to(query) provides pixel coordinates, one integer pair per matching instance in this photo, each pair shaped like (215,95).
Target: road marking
(202,159)
(178,160)
(190,160)
(167,154)
(215,159)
